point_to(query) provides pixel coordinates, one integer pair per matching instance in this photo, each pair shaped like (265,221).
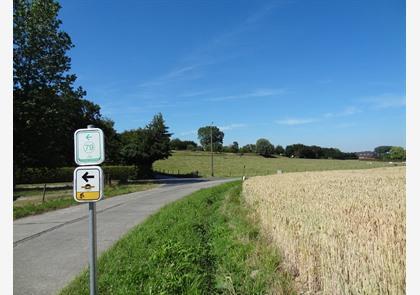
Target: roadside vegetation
(341,232)
(206,243)
(30,201)
(230,164)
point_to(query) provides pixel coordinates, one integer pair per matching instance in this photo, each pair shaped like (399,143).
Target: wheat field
(340,232)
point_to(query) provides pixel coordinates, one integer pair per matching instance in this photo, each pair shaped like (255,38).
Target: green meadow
(228,164)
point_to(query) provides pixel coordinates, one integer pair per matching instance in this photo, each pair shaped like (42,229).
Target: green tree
(47,109)
(279,150)
(383,151)
(248,148)
(264,147)
(177,144)
(143,146)
(204,136)
(397,153)
(181,145)
(294,150)
(235,147)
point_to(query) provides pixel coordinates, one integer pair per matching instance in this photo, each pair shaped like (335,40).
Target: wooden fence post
(43,193)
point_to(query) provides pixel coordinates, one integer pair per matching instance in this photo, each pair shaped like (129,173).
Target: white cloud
(385,101)
(253,94)
(232,126)
(351,110)
(296,121)
(185,72)
(194,93)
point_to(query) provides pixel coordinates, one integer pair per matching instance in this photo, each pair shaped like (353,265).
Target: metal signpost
(88,184)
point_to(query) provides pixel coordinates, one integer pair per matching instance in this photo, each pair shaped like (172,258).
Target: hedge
(65,174)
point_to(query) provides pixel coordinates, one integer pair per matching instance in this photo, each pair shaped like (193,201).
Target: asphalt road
(52,248)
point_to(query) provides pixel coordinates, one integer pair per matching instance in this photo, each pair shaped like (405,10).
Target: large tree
(264,147)
(47,106)
(397,153)
(383,151)
(206,133)
(279,150)
(143,146)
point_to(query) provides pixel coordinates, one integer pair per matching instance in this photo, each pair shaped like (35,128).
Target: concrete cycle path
(52,248)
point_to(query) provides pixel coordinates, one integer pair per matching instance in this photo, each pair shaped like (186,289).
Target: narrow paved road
(52,248)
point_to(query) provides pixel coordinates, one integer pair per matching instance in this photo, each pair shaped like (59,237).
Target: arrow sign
(86,176)
(88,184)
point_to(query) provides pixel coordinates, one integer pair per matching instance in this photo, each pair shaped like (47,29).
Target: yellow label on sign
(84,196)
(88,184)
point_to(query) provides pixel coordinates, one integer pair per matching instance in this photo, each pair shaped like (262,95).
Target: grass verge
(57,199)
(202,244)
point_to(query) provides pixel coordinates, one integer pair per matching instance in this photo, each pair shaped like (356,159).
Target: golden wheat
(341,232)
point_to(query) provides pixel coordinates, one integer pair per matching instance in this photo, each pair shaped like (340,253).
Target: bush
(120,173)
(43,175)
(65,174)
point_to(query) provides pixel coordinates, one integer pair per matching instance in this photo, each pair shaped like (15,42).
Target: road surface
(52,248)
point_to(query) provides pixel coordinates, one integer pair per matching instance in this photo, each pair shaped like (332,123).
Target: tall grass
(341,232)
(202,244)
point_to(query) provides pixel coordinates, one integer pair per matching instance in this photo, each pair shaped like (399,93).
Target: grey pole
(211,148)
(92,248)
(92,245)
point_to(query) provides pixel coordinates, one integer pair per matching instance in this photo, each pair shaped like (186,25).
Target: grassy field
(226,164)
(30,200)
(202,244)
(341,232)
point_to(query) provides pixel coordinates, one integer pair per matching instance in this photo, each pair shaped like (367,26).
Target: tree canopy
(264,147)
(47,108)
(279,150)
(204,136)
(182,145)
(143,146)
(248,148)
(316,152)
(397,153)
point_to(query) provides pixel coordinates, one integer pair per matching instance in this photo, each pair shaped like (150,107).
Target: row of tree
(263,147)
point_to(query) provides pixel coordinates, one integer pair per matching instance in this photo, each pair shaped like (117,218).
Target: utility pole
(211,148)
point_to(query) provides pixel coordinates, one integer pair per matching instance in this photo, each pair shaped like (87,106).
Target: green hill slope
(226,164)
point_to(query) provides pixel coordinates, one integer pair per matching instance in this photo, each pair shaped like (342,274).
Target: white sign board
(88,184)
(89,146)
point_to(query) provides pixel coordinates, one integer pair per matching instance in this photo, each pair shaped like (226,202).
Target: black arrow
(86,176)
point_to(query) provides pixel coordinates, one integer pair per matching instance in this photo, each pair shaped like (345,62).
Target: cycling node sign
(88,184)
(89,146)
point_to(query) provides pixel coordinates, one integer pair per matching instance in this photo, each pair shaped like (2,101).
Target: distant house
(368,155)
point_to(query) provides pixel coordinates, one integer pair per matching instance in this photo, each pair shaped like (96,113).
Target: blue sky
(330,73)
